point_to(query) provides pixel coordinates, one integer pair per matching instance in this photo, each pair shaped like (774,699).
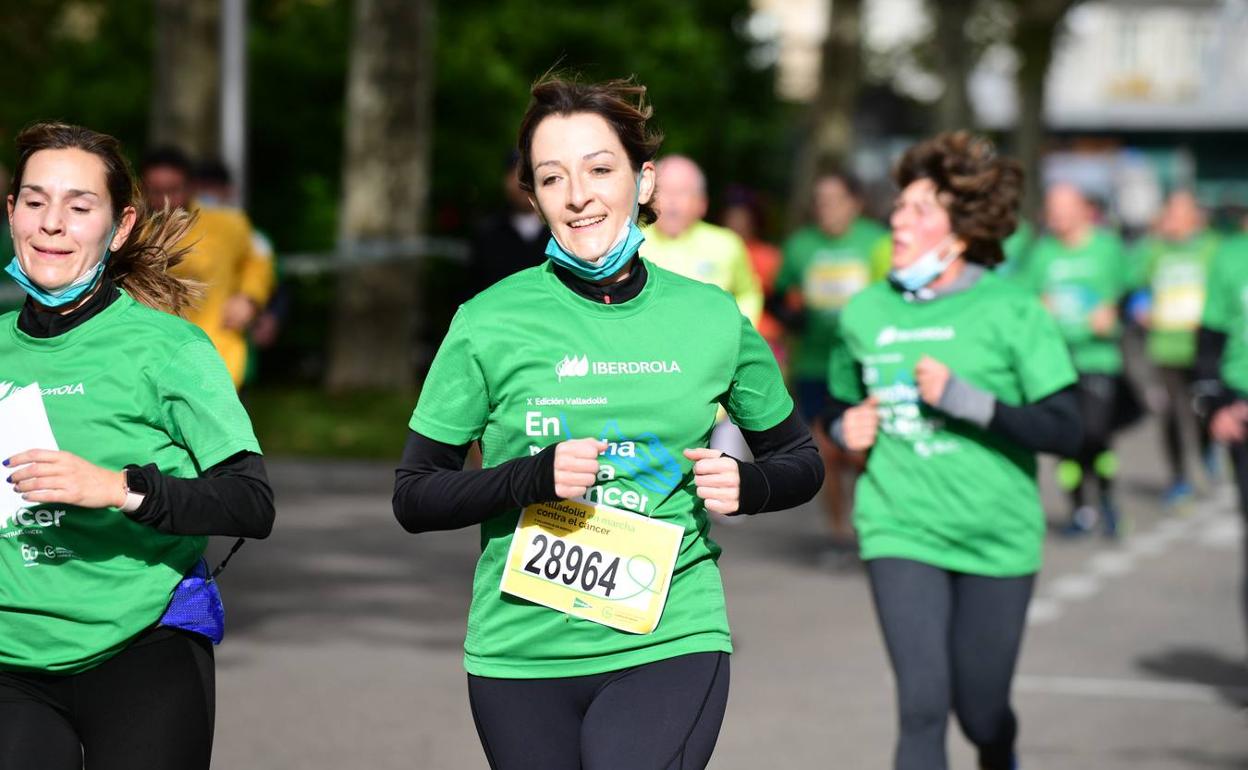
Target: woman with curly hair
(106,645)
(952,379)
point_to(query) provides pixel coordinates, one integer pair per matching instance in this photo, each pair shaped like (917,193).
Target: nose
(579,194)
(53,221)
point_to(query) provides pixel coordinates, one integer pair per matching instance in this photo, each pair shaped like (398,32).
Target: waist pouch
(196,602)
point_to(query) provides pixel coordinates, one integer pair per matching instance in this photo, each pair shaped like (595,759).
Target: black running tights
(150,706)
(953,640)
(658,716)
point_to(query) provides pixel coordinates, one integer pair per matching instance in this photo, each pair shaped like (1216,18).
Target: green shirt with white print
(130,385)
(528,363)
(937,489)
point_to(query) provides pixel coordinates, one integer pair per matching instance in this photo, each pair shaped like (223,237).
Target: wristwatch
(136,488)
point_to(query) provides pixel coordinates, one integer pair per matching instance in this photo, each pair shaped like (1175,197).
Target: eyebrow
(72,193)
(583,157)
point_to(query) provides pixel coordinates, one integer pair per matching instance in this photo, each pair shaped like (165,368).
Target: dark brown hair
(622,103)
(978,188)
(141,265)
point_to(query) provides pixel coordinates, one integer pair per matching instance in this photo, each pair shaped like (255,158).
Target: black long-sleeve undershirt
(1051,425)
(231,498)
(1209,392)
(433,492)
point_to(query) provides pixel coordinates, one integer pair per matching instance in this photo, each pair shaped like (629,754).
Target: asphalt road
(344,640)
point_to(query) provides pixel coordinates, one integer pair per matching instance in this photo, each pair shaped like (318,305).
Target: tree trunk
(385,191)
(186,85)
(829,136)
(1035,32)
(955,58)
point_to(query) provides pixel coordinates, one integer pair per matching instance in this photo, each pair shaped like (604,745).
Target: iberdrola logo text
(579,366)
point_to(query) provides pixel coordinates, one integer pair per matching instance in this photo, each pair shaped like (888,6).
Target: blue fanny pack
(196,602)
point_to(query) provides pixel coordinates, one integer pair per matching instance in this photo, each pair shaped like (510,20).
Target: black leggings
(1179,412)
(659,716)
(953,640)
(1239,464)
(150,706)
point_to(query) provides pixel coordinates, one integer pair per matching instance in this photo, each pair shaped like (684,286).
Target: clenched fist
(718,479)
(931,377)
(859,425)
(576,466)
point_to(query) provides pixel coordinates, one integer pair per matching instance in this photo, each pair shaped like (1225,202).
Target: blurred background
(370,143)
(367,140)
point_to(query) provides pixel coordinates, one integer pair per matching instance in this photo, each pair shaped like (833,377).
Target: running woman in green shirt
(597,635)
(952,379)
(1080,274)
(1222,369)
(107,615)
(1174,268)
(825,264)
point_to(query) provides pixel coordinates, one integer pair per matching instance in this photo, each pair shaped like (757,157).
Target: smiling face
(62,216)
(584,185)
(920,223)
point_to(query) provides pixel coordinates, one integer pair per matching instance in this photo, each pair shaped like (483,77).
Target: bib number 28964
(595,562)
(573,565)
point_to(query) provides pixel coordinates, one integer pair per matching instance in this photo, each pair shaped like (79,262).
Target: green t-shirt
(1176,274)
(1073,282)
(528,363)
(940,490)
(131,385)
(828,271)
(1226,309)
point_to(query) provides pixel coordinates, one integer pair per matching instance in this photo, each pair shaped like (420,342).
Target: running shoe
(1177,494)
(1082,520)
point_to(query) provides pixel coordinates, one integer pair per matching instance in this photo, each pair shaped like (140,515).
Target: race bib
(829,285)
(1178,308)
(595,562)
(1178,297)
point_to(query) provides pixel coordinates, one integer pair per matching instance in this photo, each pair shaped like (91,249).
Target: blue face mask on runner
(610,263)
(922,271)
(81,285)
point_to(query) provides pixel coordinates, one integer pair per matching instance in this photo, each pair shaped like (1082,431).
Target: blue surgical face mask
(76,290)
(608,264)
(926,268)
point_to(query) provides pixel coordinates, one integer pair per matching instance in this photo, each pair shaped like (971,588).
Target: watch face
(135,481)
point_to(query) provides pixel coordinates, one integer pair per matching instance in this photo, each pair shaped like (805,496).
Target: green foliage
(90,61)
(298,51)
(86,61)
(309,422)
(708,101)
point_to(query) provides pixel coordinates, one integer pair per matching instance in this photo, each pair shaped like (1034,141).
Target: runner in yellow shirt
(237,277)
(682,242)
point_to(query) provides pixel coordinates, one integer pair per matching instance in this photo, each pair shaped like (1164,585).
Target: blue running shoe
(1178,493)
(1082,520)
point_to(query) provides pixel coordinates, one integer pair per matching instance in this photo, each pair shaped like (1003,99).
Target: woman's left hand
(931,377)
(718,479)
(45,476)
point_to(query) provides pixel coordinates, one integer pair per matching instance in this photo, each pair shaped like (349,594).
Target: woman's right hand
(859,425)
(576,466)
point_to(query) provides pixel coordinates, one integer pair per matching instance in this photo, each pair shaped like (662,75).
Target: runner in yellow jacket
(237,277)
